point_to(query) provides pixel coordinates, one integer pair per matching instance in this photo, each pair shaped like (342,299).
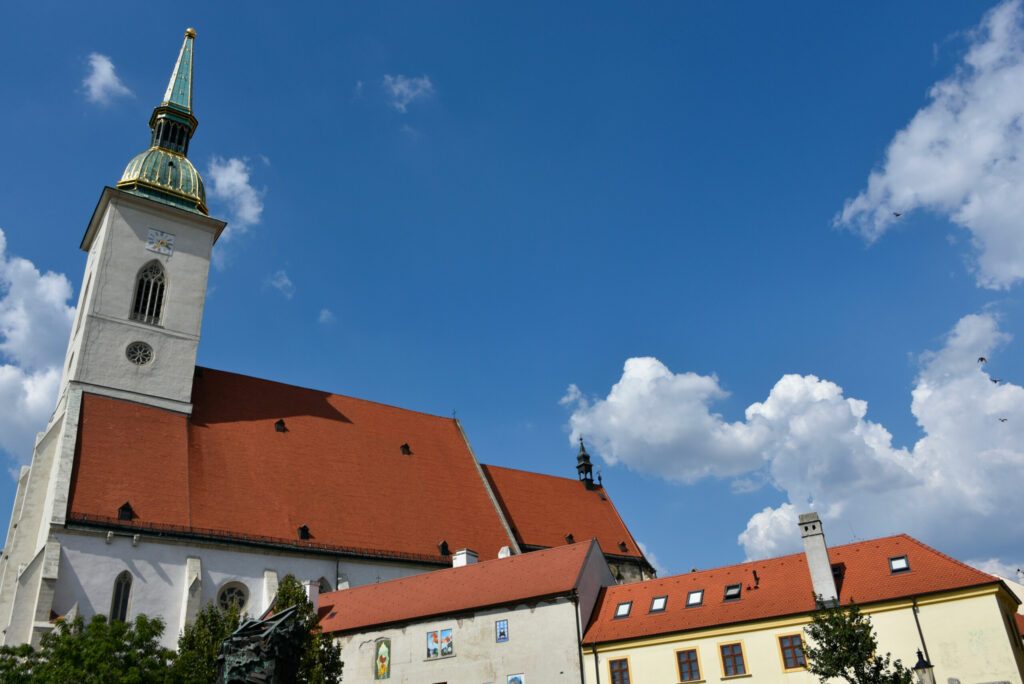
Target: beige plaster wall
(967,640)
(542,645)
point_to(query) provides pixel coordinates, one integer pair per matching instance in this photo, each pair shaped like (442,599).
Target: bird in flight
(995,380)
(1002,420)
(897,214)
(982,359)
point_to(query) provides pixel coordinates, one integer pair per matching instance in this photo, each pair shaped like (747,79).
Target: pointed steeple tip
(190,32)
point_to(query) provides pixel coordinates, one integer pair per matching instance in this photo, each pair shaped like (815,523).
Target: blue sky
(489,210)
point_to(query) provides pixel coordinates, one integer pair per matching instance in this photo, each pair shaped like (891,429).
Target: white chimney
(463,557)
(817,559)
(504,552)
(312,588)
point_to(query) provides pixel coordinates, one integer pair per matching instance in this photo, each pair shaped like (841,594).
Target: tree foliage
(841,644)
(321,660)
(99,652)
(199,644)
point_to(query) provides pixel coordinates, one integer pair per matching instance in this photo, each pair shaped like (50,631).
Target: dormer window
(732,592)
(126,512)
(658,604)
(695,598)
(622,610)
(304,532)
(149,294)
(899,564)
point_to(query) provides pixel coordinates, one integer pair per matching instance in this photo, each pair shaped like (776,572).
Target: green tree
(199,644)
(841,644)
(99,652)
(321,659)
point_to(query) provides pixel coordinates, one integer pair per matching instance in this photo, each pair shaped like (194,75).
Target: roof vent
(406,449)
(569,539)
(504,552)
(623,547)
(280,426)
(304,532)
(126,512)
(464,557)
(442,548)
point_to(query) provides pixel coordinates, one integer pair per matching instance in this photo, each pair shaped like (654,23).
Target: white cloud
(653,560)
(994,566)
(325,316)
(102,86)
(819,449)
(282,283)
(230,183)
(404,90)
(962,155)
(35,322)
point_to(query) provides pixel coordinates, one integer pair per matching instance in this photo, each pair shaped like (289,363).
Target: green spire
(179,89)
(163,172)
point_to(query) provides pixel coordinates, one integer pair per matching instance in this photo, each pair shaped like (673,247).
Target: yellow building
(746,621)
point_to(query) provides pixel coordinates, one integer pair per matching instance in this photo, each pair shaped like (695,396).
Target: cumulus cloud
(280,281)
(404,90)
(653,560)
(35,322)
(962,155)
(102,86)
(230,183)
(325,316)
(994,566)
(820,450)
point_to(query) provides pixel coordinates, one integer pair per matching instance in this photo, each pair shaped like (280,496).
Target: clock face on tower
(160,242)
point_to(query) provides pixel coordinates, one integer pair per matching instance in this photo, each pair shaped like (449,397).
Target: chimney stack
(817,559)
(464,557)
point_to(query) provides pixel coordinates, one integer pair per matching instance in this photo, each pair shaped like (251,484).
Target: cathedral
(159,486)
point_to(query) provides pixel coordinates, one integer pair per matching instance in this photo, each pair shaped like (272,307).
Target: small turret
(584,468)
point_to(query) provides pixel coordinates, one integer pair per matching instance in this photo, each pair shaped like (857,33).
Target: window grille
(792,651)
(233,594)
(620,671)
(119,603)
(149,294)
(732,660)
(689,666)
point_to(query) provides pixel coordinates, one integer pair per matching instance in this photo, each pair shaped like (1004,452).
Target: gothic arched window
(149,294)
(119,603)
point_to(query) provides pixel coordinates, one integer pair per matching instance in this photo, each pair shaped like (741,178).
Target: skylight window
(622,610)
(732,592)
(658,604)
(899,564)
(695,598)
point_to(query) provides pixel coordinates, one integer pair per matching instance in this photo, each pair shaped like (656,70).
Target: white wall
(88,566)
(542,645)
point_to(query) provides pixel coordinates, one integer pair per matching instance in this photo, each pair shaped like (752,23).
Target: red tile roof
(338,468)
(543,509)
(489,583)
(784,588)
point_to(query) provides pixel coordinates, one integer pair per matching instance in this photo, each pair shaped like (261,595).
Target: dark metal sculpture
(262,651)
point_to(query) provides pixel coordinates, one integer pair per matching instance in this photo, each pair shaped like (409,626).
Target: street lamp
(924,670)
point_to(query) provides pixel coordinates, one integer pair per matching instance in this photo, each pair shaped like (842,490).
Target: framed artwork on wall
(382,660)
(447,647)
(433,644)
(501,631)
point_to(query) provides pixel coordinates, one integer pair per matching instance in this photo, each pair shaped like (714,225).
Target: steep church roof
(543,510)
(258,460)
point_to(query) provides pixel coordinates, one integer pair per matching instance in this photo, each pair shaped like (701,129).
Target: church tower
(134,338)
(149,244)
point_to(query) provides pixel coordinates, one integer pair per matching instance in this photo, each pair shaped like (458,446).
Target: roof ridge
(947,556)
(528,472)
(442,571)
(333,394)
